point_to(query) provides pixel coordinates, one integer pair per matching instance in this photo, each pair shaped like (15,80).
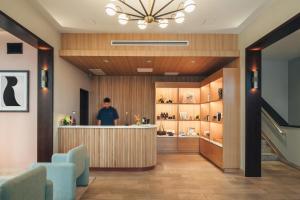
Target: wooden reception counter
(113,147)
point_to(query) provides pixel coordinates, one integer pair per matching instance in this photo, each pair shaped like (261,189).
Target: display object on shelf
(206,134)
(161,130)
(165,116)
(189,98)
(145,120)
(192,132)
(170,132)
(217,117)
(137,119)
(220,93)
(184,116)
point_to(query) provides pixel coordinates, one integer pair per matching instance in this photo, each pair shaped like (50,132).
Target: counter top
(131,126)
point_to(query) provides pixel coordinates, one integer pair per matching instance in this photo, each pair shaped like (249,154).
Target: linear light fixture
(98,72)
(254,79)
(144,70)
(149,43)
(171,73)
(44,78)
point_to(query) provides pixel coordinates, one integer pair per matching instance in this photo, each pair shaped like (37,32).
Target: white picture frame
(14,91)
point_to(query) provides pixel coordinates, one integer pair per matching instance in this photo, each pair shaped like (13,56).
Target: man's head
(106,102)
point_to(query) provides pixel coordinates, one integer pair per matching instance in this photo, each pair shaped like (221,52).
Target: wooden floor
(189,177)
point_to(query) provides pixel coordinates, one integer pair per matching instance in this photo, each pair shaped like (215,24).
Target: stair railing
(270,119)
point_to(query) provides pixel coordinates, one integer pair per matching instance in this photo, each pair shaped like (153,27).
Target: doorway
(84,107)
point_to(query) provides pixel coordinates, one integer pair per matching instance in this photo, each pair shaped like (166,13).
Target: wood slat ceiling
(127,65)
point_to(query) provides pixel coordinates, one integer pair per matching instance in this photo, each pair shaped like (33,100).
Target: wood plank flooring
(191,177)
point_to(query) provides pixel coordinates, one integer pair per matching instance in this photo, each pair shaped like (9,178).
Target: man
(107,115)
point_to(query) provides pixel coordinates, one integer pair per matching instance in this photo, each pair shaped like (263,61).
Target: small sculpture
(137,119)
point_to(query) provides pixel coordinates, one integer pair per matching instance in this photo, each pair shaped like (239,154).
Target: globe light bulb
(189,6)
(142,24)
(179,17)
(110,9)
(123,19)
(163,23)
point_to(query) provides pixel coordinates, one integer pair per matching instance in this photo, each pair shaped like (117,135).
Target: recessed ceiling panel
(210,16)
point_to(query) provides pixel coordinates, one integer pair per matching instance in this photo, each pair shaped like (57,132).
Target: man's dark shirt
(107,116)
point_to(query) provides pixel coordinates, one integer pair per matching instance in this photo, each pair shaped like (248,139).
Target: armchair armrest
(63,177)
(49,190)
(59,157)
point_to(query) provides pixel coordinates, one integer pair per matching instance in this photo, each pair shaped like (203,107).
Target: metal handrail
(273,122)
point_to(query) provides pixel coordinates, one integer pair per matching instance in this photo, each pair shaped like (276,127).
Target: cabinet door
(167,144)
(217,155)
(188,145)
(212,152)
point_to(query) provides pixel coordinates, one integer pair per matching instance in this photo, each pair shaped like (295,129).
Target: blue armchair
(31,185)
(67,171)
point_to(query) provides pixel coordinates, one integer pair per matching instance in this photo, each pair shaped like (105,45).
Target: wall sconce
(254,79)
(44,78)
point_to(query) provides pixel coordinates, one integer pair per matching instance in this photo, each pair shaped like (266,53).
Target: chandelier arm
(152,7)
(132,8)
(168,13)
(135,19)
(166,5)
(132,15)
(143,7)
(169,18)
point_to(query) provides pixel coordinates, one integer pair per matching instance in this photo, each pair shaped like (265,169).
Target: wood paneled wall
(132,94)
(89,44)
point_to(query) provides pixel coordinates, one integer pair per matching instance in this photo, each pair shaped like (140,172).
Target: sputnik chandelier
(148,15)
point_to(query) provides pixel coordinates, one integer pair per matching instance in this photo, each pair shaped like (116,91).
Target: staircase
(267,153)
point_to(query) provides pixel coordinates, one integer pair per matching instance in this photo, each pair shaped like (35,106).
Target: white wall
(18,131)
(67,79)
(275,85)
(272,16)
(294,92)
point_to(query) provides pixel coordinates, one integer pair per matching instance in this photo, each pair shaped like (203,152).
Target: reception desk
(113,147)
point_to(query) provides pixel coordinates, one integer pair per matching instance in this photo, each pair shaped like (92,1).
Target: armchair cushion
(63,177)
(28,186)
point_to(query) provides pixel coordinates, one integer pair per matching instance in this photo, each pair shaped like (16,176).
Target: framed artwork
(14,91)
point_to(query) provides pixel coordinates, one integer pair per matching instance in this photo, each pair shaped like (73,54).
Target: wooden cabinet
(181,102)
(167,144)
(188,145)
(211,152)
(216,104)
(219,129)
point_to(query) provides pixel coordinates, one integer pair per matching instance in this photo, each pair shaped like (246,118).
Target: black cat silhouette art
(9,93)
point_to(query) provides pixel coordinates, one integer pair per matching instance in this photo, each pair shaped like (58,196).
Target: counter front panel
(113,147)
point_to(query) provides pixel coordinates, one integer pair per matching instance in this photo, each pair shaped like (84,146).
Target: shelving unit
(215,102)
(219,126)
(185,106)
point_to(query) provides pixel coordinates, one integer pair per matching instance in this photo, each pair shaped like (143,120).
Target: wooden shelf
(192,104)
(223,153)
(189,120)
(166,136)
(216,100)
(187,101)
(167,120)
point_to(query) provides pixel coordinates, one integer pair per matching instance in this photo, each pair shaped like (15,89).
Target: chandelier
(148,16)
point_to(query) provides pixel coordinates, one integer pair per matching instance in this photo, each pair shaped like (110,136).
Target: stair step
(269,157)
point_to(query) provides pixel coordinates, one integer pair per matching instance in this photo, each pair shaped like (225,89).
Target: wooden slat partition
(113,147)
